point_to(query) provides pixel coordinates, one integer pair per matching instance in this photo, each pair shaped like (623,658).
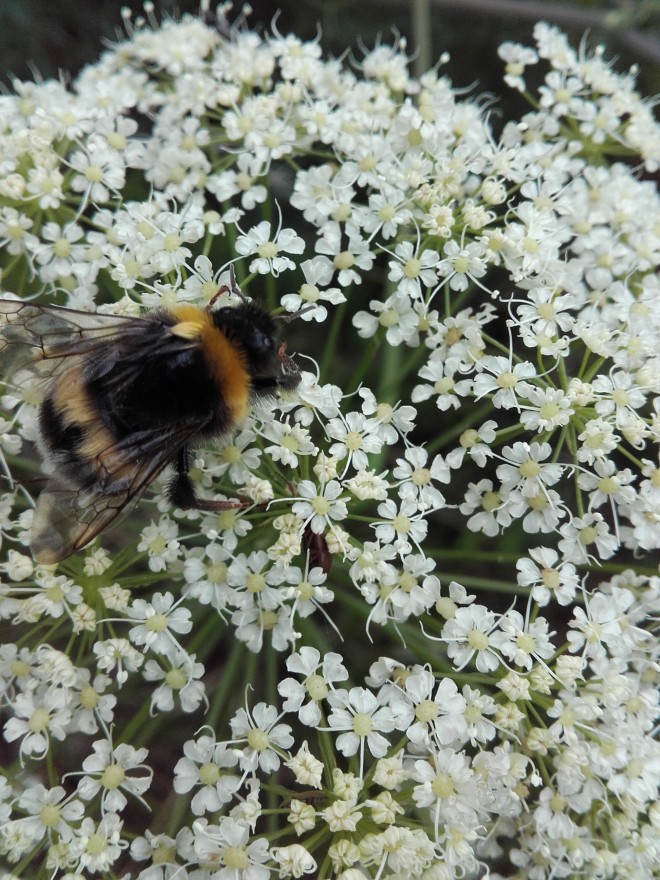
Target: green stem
(361,370)
(330,343)
(237,672)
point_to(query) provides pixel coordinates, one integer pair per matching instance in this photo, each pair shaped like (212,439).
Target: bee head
(255,331)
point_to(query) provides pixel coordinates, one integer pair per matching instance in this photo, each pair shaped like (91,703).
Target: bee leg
(181,491)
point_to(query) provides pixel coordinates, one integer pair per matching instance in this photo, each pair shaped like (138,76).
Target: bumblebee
(126,397)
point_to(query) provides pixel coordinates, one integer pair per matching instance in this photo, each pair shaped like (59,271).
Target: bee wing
(41,338)
(68,517)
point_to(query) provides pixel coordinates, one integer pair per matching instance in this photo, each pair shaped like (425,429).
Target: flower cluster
(425,648)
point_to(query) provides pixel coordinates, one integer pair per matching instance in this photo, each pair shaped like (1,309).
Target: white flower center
(362,724)
(267,250)
(257,739)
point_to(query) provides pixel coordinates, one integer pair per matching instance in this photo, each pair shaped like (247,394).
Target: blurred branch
(646,48)
(421,32)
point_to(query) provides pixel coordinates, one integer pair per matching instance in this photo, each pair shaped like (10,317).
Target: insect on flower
(126,397)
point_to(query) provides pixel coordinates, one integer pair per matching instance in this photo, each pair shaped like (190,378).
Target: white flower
(160,541)
(390,772)
(399,318)
(58,593)
(581,534)
(416,478)
(356,255)
(158,620)
(307,590)
(239,457)
(434,709)
(207,766)
(342,815)
(359,713)
(97,846)
(307,769)
(37,717)
(229,846)
(269,259)
(523,641)
(547,409)
(552,816)
(462,264)
(264,737)
(319,510)
(525,471)
(113,771)
(99,170)
(504,380)
(160,850)
(318,274)
(49,811)
(548,578)
(119,653)
(241,181)
(446,781)
(443,385)
(410,270)
(517,58)
(400,525)
(356,437)
(293,860)
(181,679)
(601,624)
(468,635)
(290,441)
(318,677)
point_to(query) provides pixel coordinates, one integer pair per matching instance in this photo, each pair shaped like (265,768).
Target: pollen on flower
(443,786)
(209,774)
(316,686)
(172,242)
(588,535)
(235,858)
(507,380)
(412,268)
(267,250)
(50,815)
(258,739)
(176,678)
(362,724)
(426,711)
(388,318)
(113,776)
(344,260)
(156,623)
(255,582)
(320,505)
(401,524)
(39,720)
(530,469)
(477,640)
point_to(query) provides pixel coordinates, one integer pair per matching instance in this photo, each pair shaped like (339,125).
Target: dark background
(44,37)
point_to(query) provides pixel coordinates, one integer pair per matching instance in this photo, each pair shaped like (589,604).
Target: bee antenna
(292,316)
(235,289)
(232,287)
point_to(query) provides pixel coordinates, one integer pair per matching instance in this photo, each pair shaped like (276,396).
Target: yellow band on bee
(188,329)
(228,364)
(225,358)
(191,321)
